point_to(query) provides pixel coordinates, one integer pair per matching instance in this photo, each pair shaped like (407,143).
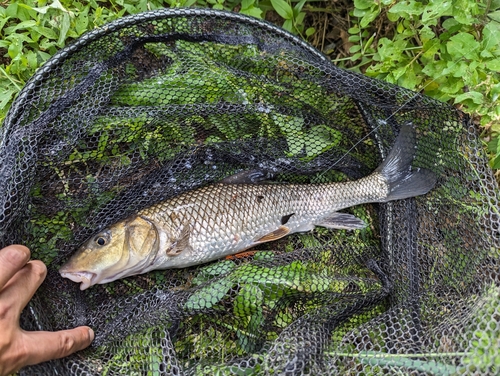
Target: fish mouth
(84,277)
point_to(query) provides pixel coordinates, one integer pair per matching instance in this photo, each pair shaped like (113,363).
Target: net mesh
(156,104)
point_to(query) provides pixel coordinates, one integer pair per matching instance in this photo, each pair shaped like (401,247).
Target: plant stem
(10,79)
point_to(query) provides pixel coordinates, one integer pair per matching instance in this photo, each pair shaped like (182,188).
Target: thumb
(44,346)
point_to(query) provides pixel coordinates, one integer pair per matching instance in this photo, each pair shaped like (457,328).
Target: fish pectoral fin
(182,243)
(343,221)
(275,235)
(177,250)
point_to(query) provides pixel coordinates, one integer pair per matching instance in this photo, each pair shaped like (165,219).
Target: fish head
(124,249)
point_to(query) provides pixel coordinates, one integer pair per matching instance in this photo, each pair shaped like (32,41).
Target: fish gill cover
(154,105)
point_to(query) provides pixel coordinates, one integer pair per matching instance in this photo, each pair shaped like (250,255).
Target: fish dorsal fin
(255,176)
(182,242)
(275,235)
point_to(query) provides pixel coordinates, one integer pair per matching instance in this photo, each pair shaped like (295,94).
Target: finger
(21,287)
(12,259)
(44,346)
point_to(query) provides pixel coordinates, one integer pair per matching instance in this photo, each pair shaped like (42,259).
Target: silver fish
(227,218)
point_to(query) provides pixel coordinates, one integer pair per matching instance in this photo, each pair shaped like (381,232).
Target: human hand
(19,279)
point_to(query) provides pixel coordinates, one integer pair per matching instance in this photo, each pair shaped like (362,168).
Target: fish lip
(82,276)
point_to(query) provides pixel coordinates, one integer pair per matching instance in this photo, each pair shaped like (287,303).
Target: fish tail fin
(403,181)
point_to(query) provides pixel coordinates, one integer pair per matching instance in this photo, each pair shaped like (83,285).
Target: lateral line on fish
(179,208)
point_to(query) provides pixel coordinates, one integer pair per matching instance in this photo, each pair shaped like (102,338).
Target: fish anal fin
(343,221)
(241,255)
(181,244)
(275,235)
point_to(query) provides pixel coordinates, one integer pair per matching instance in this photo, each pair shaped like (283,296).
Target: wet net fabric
(160,103)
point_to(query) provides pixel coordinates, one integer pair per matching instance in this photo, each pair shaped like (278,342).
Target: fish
(238,213)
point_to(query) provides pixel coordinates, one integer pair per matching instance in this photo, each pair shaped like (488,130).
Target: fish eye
(100,240)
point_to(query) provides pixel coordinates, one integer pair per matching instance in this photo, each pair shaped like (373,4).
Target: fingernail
(91,334)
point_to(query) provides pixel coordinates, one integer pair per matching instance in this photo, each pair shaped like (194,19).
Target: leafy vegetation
(449,50)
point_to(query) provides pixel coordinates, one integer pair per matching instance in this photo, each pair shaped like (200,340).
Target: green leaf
(245,4)
(398,72)
(21,25)
(369,17)
(452,86)
(252,11)
(463,45)
(6,96)
(299,18)
(82,21)
(410,80)
(436,9)
(355,48)
(287,276)
(248,301)
(32,60)
(392,17)
(356,56)
(404,8)
(213,270)
(15,49)
(354,38)
(19,10)
(321,138)
(219,268)
(55,4)
(291,128)
(363,4)
(310,31)
(358,12)
(491,36)
(449,23)
(299,6)
(388,360)
(288,26)
(471,96)
(456,69)
(493,65)
(63,29)
(495,162)
(283,9)
(431,47)
(45,31)
(427,34)
(264,256)
(495,16)
(209,295)
(464,11)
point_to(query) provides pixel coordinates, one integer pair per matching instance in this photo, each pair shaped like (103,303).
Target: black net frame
(416,292)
